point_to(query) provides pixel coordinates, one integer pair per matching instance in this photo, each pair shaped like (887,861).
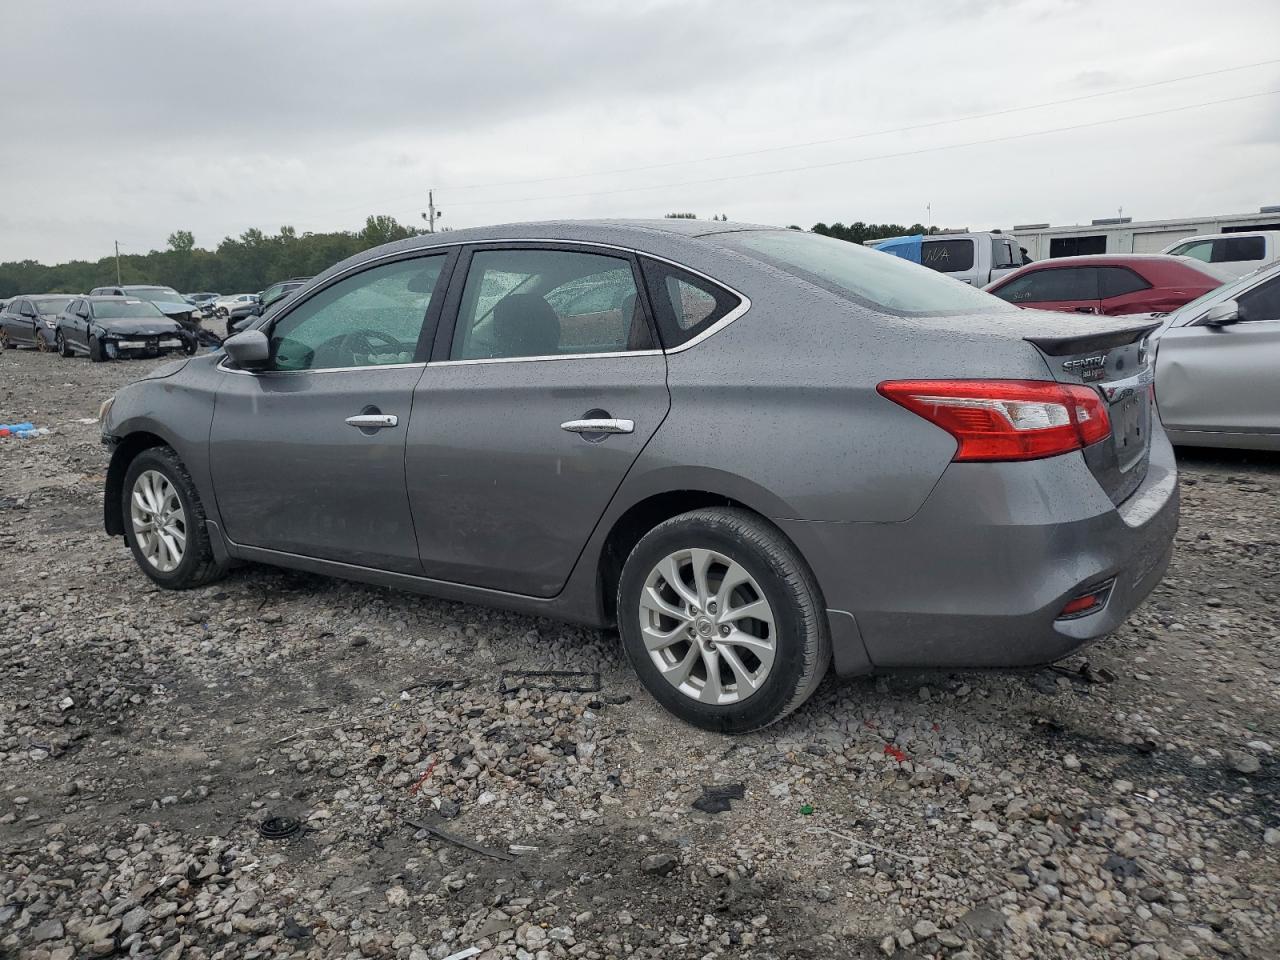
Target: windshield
(51,305)
(120,308)
(869,276)
(156,294)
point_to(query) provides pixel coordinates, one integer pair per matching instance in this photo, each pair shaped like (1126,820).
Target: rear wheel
(63,349)
(722,620)
(164,522)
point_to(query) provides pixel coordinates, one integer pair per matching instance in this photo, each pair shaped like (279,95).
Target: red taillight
(1006,419)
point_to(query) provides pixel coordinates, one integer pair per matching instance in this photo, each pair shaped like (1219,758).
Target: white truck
(1234,253)
(972,258)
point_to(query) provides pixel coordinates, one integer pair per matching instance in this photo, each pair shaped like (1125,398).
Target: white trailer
(1124,235)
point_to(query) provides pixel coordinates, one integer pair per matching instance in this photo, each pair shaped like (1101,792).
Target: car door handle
(373,421)
(603,425)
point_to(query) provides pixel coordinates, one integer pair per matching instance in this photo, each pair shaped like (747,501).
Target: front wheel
(164,522)
(95,350)
(63,349)
(42,345)
(5,342)
(722,620)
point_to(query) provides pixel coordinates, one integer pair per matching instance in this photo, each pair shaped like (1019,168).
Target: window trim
(430,320)
(445,331)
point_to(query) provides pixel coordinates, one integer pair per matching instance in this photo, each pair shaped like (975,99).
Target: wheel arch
(123,455)
(641,517)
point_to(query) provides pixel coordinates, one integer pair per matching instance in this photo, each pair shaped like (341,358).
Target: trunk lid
(1114,360)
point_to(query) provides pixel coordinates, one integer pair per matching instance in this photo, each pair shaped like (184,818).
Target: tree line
(244,264)
(254,260)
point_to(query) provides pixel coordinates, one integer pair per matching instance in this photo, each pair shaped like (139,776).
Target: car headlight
(104,410)
(51,324)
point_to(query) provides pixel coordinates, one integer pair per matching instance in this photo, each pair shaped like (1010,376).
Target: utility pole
(118,281)
(432,213)
(928,209)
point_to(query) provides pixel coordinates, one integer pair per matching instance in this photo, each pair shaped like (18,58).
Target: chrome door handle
(374,421)
(607,425)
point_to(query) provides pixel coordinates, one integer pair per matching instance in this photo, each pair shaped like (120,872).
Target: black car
(240,317)
(170,302)
(111,327)
(30,321)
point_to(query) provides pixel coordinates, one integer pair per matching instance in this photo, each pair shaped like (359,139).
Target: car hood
(140,325)
(172,307)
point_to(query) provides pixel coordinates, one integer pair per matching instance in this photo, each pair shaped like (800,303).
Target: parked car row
(101,327)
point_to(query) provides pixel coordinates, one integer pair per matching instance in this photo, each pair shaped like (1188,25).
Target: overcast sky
(128,120)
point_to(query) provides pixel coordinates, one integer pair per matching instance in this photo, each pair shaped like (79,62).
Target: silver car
(1218,366)
(759,453)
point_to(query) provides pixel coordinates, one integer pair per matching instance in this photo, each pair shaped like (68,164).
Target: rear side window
(548,303)
(1119,281)
(947,256)
(685,303)
(1051,284)
(1234,249)
(1198,250)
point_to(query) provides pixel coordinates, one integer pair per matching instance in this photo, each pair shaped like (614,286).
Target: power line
(871,133)
(882,156)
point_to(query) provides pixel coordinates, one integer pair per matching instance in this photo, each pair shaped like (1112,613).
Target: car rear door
(308,454)
(545,385)
(1050,287)
(1121,291)
(1224,379)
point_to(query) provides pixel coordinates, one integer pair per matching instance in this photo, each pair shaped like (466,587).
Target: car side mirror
(1222,314)
(249,350)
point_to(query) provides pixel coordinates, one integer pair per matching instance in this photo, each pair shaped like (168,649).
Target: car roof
(1221,236)
(105,298)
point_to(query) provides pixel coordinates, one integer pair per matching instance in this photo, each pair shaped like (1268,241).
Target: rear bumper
(978,576)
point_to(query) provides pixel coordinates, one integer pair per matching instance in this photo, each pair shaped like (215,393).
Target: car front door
(1072,289)
(308,453)
(539,398)
(24,329)
(1224,379)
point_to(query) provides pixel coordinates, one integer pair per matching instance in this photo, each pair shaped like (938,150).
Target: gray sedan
(759,453)
(1218,366)
(31,321)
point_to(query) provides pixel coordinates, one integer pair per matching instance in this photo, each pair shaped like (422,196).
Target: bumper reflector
(1086,603)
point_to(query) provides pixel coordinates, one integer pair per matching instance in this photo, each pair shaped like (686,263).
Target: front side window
(860,273)
(1201,250)
(1051,284)
(370,319)
(947,256)
(1262,302)
(1002,255)
(546,303)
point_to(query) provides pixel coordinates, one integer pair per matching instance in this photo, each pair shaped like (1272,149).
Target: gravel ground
(1127,808)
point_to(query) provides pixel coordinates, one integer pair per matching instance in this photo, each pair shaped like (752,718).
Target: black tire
(5,342)
(63,349)
(95,350)
(198,566)
(41,344)
(802,641)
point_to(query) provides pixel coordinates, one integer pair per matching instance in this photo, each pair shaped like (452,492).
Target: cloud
(133,119)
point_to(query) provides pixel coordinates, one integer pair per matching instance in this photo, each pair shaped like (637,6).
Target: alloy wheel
(707,626)
(159,521)
(41,343)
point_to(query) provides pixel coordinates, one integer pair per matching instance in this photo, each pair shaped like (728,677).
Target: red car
(1113,285)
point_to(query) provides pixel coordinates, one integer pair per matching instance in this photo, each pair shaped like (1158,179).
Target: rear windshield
(156,294)
(47,306)
(878,279)
(119,309)
(947,256)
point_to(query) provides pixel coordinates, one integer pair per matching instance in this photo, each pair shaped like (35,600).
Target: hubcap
(707,626)
(159,522)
